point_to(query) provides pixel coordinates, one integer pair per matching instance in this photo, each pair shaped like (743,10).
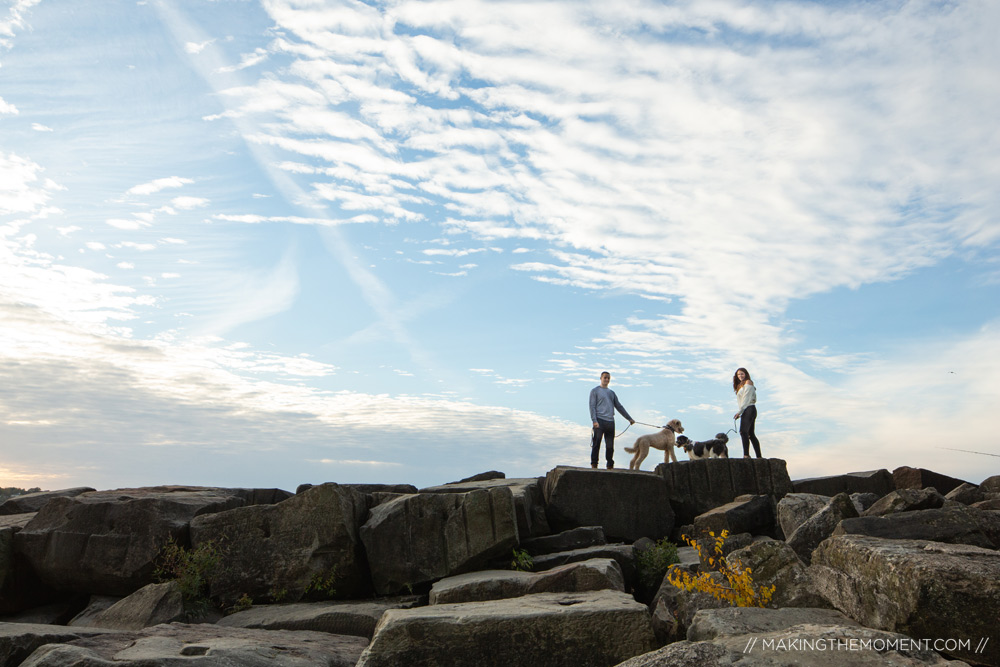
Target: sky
(274,242)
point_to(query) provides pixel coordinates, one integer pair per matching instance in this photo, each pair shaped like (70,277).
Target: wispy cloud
(158,185)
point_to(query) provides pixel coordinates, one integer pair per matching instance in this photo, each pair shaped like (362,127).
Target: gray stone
(906,500)
(589,575)
(623,554)
(711,624)
(990,484)
(150,605)
(820,526)
(906,477)
(415,540)
(879,482)
(32,502)
(19,640)
(862,501)
(729,545)
(923,589)
(575,538)
(754,516)
(795,508)
(279,551)
(626,504)
(597,628)
(529,500)
(342,617)
(20,587)
(673,609)
(203,646)
(482,477)
(695,487)
(774,563)
(952,525)
(367,488)
(107,542)
(967,494)
(96,604)
(990,504)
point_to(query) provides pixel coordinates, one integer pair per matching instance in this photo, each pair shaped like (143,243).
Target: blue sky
(267,243)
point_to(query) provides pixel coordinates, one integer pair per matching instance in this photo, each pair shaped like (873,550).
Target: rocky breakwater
(552,570)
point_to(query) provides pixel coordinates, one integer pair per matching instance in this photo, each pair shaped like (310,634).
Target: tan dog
(665,440)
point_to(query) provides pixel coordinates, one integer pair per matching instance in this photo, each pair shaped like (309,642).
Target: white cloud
(38,127)
(8,108)
(196,48)
(159,184)
(188,203)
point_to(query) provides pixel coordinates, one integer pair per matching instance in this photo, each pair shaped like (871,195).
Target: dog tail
(631,450)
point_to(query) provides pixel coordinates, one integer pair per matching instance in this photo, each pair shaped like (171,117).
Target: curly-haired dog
(665,440)
(708,449)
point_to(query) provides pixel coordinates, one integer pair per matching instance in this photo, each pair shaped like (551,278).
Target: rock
(106,542)
(32,502)
(906,500)
(623,554)
(203,646)
(673,609)
(19,640)
(991,504)
(729,545)
(589,575)
(906,477)
(951,525)
(862,501)
(967,494)
(20,588)
(575,538)
(414,540)
(774,563)
(990,484)
(820,526)
(695,487)
(598,629)
(923,589)
(57,612)
(754,516)
(150,605)
(342,617)
(482,477)
(282,551)
(529,501)
(711,624)
(95,605)
(879,482)
(368,488)
(795,508)
(806,644)
(626,504)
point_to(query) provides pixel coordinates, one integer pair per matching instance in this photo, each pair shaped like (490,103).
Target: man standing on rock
(603,403)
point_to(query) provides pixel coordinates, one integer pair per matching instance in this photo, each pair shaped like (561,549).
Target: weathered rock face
(695,487)
(623,554)
(20,588)
(282,550)
(150,605)
(906,477)
(529,500)
(203,646)
(795,508)
(414,540)
(590,575)
(820,526)
(990,484)
(19,640)
(738,621)
(673,609)
(774,563)
(951,525)
(342,617)
(754,516)
(966,494)
(879,482)
(926,590)
(906,500)
(626,504)
(575,538)
(32,502)
(598,629)
(106,542)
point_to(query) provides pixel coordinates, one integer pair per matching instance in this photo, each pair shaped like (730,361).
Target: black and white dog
(709,449)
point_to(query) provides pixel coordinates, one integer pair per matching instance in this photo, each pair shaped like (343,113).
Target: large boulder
(574,538)
(774,563)
(906,477)
(415,540)
(879,482)
(626,504)
(795,508)
(990,484)
(754,515)
(20,588)
(926,590)
(623,554)
(597,628)
(906,500)
(589,575)
(711,624)
(967,494)
(695,487)
(821,525)
(19,640)
(340,617)
(953,525)
(150,605)
(529,499)
(673,609)
(308,542)
(107,542)
(32,502)
(203,645)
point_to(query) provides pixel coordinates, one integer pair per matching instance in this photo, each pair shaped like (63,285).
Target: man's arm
(621,409)
(593,406)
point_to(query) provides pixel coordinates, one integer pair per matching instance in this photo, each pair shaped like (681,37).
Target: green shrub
(653,563)
(192,569)
(522,562)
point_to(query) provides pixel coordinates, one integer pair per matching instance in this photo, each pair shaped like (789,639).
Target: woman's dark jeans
(747,421)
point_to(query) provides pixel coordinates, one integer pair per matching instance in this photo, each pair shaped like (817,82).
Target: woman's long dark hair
(736,378)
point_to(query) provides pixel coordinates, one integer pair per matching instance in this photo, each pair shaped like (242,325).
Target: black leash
(969,451)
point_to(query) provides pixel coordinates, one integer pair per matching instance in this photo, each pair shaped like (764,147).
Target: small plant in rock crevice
(522,561)
(192,569)
(653,563)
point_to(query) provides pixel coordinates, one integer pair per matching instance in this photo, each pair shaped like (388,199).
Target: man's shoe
(593,465)
(611,466)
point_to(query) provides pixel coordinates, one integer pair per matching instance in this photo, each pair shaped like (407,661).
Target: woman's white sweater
(745,397)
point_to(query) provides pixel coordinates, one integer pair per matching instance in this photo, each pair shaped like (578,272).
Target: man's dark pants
(607,430)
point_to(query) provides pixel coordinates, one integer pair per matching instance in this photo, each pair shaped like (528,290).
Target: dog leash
(969,451)
(643,423)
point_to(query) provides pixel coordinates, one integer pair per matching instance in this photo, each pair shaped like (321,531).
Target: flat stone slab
(879,482)
(575,538)
(19,640)
(588,575)
(736,621)
(355,617)
(623,554)
(597,629)
(203,646)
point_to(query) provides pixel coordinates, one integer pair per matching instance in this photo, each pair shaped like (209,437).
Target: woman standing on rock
(746,399)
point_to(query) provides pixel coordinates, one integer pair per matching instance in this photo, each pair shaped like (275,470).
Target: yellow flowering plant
(739,589)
